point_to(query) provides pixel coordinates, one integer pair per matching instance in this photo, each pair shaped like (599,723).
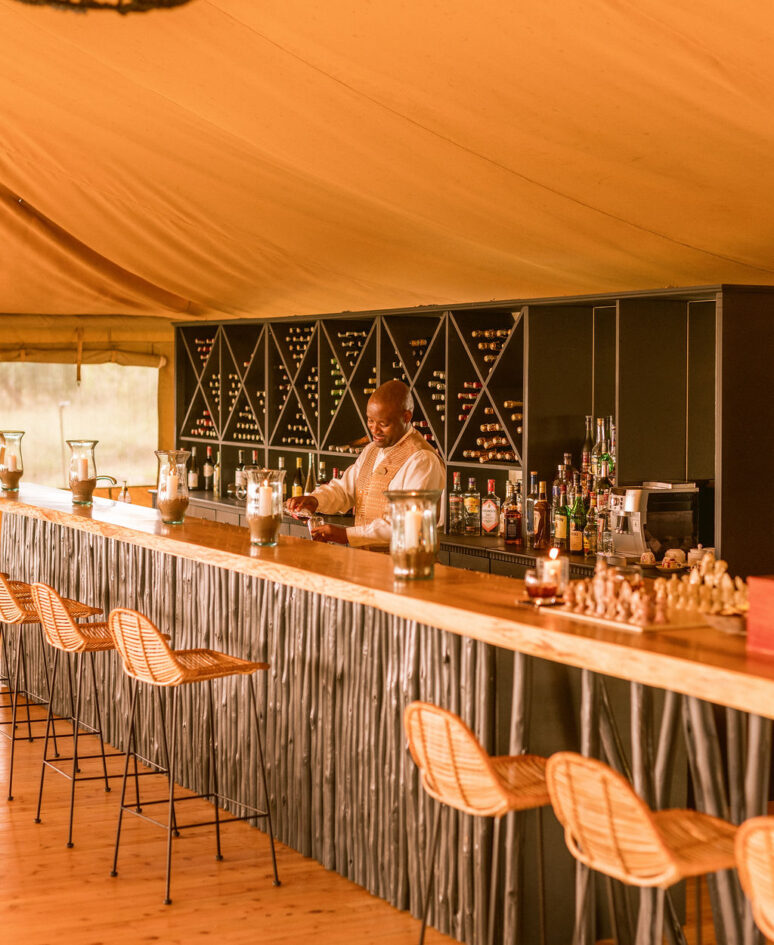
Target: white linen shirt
(422,470)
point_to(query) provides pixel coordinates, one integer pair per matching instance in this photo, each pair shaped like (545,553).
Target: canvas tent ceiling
(271,157)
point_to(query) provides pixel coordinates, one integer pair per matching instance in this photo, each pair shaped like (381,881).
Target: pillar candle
(13,463)
(412,528)
(265,499)
(83,468)
(172,484)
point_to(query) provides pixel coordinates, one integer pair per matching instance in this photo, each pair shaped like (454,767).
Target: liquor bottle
(590,530)
(207,470)
(529,510)
(490,510)
(472,505)
(569,469)
(240,483)
(560,479)
(599,447)
(588,445)
(512,514)
(311,479)
(193,470)
(506,500)
(323,477)
(335,474)
(542,521)
(217,477)
(577,521)
(602,486)
(280,465)
(298,479)
(610,435)
(561,520)
(456,522)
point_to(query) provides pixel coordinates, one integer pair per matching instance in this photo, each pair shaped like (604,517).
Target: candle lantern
(11,463)
(553,571)
(83,470)
(264,504)
(414,543)
(172,486)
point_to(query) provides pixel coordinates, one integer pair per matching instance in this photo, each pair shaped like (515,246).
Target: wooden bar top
(698,661)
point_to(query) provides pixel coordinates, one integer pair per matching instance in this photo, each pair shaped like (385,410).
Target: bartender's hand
(302,502)
(333,533)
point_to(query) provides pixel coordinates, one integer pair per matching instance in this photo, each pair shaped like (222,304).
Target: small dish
(680,567)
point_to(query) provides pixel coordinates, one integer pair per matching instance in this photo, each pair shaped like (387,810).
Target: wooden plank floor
(50,894)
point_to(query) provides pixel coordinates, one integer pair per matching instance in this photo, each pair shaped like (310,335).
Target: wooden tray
(678,620)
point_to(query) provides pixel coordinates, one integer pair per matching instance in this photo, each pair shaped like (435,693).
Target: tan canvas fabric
(243,158)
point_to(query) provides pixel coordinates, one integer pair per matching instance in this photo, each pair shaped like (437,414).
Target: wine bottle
(577,522)
(208,470)
(193,471)
(588,445)
(323,476)
(542,521)
(490,510)
(506,501)
(298,479)
(472,505)
(599,448)
(280,465)
(560,519)
(217,477)
(532,497)
(240,483)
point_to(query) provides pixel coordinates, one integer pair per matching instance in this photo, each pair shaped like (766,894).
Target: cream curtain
(243,158)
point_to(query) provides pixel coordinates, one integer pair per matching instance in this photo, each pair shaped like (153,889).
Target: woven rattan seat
(610,829)
(148,659)
(755,862)
(458,773)
(61,630)
(17,606)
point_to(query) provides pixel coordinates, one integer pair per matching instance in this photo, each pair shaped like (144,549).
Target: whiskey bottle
(298,478)
(472,505)
(456,524)
(512,513)
(542,521)
(490,510)
(599,448)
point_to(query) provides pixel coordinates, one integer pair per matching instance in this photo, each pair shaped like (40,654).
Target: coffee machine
(654,517)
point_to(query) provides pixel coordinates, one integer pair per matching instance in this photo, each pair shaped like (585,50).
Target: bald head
(389,412)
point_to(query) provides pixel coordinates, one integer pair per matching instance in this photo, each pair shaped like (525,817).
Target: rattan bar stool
(612,830)
(148,659)
(68,637)
(755,863)
(458,773)
(17,609)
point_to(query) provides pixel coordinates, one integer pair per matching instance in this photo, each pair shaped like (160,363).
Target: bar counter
(700,661)
(349,648)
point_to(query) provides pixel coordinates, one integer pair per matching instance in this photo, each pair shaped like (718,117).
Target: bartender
(397,458)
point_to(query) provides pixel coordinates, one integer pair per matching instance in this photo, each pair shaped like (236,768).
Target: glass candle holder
(264,504)
(83,470)
(172,485)
(11,463)
(553,571)
(413,515)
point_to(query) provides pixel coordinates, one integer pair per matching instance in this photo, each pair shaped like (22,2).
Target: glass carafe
(172,485)
(264,504)
(11,463)
(414,542)
(83,471)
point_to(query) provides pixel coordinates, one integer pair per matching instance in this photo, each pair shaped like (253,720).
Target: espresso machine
(654,517)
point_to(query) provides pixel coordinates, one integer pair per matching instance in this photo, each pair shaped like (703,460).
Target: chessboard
(678,620)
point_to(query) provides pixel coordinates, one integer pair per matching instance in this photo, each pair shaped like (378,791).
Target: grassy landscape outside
(113,404)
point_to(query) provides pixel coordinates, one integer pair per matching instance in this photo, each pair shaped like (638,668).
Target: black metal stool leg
(493,886)
(430,871)
(129,745)
(254,699)
(14,709)
(75,745)
(99,721)
(25,684)
(214,769)
(541,875)
(49,723)
(49,684)
(160,700)
(171,817)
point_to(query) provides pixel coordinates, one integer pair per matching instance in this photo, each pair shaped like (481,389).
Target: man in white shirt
(397,458)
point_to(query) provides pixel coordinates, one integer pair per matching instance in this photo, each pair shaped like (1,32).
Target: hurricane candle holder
(264,504)
(172,485)
(11,463)
(413,515)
